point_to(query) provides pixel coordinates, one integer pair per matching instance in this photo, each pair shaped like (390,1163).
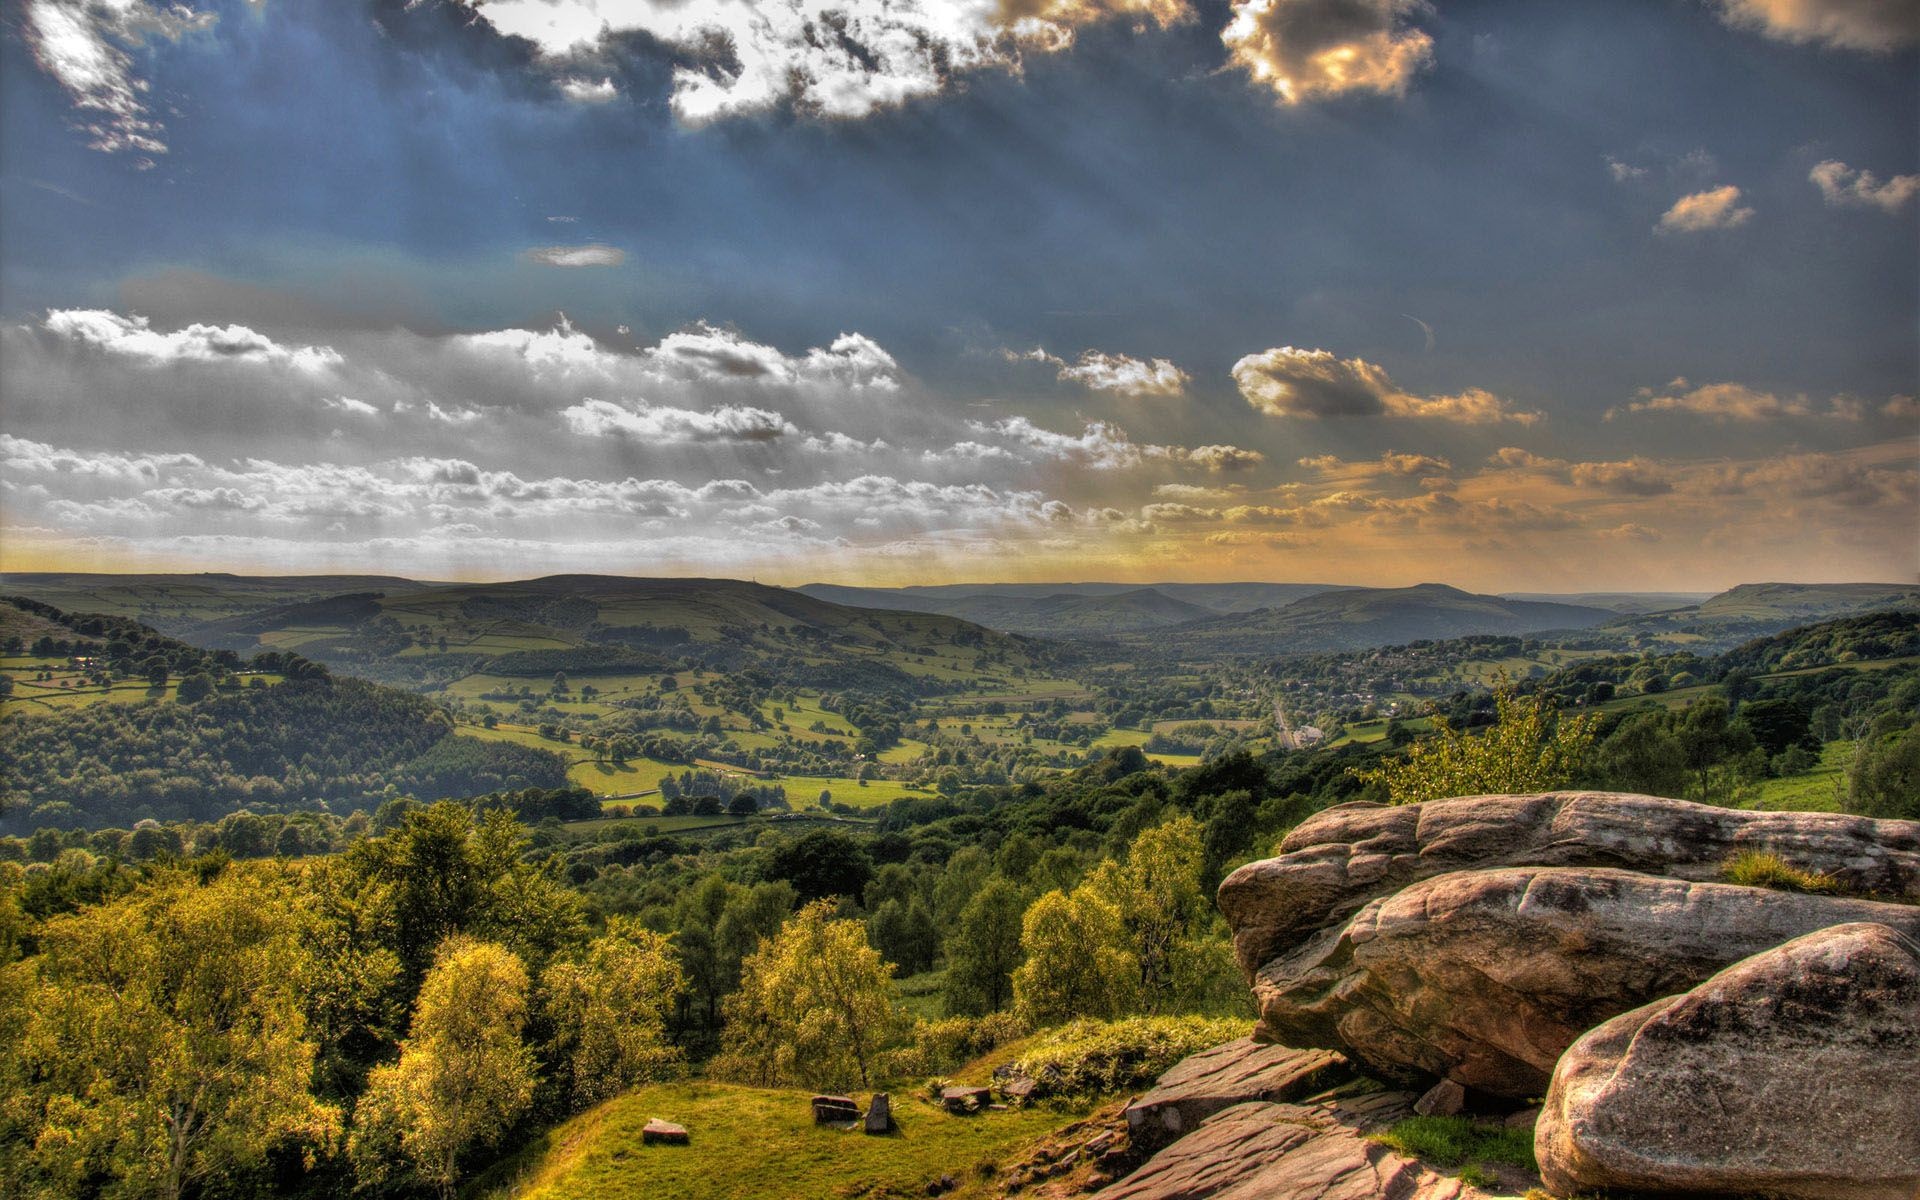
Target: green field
(1818,790)
(762,1142)
(804,790)
(48,695)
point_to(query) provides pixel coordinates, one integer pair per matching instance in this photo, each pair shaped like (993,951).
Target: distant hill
(173,603)
(1754,610)
(1073,610)
(572,623)
(1360,618)
(1620,602)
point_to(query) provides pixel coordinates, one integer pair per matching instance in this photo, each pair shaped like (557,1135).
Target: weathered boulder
(834,1110)
(658,1132)
(1486,977)
(1792,1074)
(1338,860)
(965,1099)
(1202,1084)
(880,1114)
(1265,1151)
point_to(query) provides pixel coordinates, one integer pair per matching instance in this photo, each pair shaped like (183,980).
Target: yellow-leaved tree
(1078,963)
(162,1041)
(463,1077)
(609,1011)
(1530,747)
(815,1005)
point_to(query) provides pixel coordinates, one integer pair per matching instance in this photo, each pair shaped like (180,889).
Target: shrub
(938,1047)
(1758,868)
(1089,1058)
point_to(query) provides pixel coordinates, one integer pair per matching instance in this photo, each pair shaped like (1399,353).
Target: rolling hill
(1073,610)
(1359,618)
(1753,610)
(172,603)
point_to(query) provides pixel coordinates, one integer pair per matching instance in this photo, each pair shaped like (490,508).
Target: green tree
(1642,755)
(165,1042)
(463,1076)
(904,935)
(815,1005)
(1709,738)
(1529,748)
(983,950)
(1884,778)
(1078,962)
(609,1011)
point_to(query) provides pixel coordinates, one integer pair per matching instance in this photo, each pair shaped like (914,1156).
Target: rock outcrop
(1791,1074)
(1338,860)
(1311,1151)
(1219,1078)
(1486,977)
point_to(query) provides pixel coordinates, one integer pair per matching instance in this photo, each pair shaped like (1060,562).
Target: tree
(609,1011)
(904,935)
(1162,906)
(742,805)
(1529,748)
(1642,755)
(815,1005)
(983,950)
(822,864)
(194,688)
(1078,963)
(164,1040)
(1708,738)
(463,1076)
(1884,779)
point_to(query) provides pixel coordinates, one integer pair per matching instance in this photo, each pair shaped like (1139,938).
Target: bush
(939,1047)
(1088,1058)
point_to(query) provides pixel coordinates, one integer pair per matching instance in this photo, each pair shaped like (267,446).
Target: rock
(1443,1099)
(1525,1118)
(941,1186)
(880,1114)
(1338,860)
(965,1099)
(833,1110)
(1019,1089)
(1486,977)
(1204,1083)
(1266,1151)
(657,1131)
(1794,1074)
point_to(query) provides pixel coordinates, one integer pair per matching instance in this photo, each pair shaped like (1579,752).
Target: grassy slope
(760,1142)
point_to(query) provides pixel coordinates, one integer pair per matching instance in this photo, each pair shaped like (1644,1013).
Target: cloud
(703,352)
(588,91)
(1291,382)
(593,254)
(1224,458)
(657,424)
(1635,477)
(30,457)
(1872,25)
(1717,208)
(1721,402)
(833,58)
(1101,446)
(135,337)
(1623,172)
(1318,49)
(1631,531)
(1389,463)
(347,404)
(83,45)
(1125,376)
(1841,185)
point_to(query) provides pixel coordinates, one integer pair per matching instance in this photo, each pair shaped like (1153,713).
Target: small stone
(1526,1118)
(663,1133)
(1019,1090)
(1443,1099)
(835,1110)
(880,1114)
(964,1099)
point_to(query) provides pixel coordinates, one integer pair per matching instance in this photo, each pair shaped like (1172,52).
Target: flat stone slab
(1265,1151)
(1203,1084)
(833,1110)
(661,1132)
(965,1099)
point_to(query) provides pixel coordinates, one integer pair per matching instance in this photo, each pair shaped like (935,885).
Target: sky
(1621,295)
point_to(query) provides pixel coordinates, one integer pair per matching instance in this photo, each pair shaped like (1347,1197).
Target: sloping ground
(763,1142)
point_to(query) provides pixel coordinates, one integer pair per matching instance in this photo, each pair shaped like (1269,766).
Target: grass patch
(1758,868)
(757,1142)
(1459,1141)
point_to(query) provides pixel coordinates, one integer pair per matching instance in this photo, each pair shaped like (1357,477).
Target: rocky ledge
(1693,1037)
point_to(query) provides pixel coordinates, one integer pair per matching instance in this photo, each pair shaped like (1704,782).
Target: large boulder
(1338,860)
(1218,1078)
(1265,1151)
(1793,1074)
(1486,977)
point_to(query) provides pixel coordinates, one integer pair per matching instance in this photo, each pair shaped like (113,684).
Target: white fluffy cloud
(1716,208)
(1844,186)
(1120,374)
(1871,25)
(83,45)
(1101,446)
(837,58)
(662,425)
(593,254)
(1317,49)
(1291,382)
(135,337)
